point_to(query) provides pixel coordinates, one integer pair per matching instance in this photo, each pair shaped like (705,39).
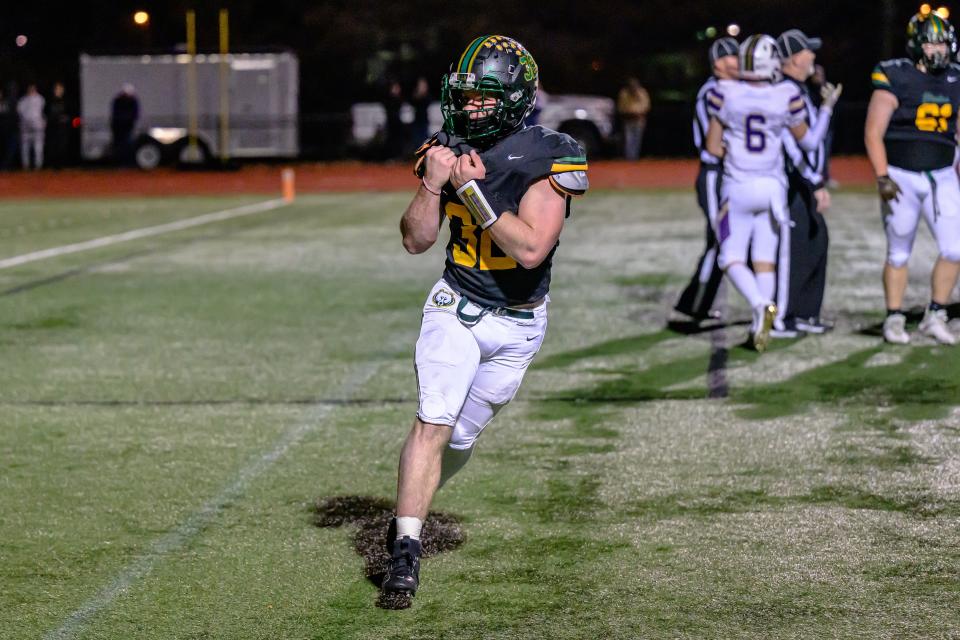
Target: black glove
(889,190)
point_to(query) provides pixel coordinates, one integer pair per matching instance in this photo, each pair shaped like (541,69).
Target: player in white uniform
(748,118)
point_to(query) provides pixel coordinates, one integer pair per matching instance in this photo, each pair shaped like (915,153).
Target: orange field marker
(287,184)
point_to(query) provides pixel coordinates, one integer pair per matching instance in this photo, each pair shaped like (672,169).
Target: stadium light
(21,40)
(141,18)
(733,30)
(925,9)
(943,12)
(711,32)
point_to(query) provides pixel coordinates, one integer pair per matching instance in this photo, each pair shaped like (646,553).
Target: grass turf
(173,408)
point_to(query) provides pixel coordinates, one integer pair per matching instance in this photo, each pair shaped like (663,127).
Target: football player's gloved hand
(889,190)
(830,93)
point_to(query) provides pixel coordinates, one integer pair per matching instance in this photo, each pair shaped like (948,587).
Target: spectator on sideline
(58,128)
(393,103)
(32,127)
(633,105)
(420,100)
(124,113)
(8,126)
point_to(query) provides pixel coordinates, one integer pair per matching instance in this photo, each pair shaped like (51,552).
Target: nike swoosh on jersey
(514,157)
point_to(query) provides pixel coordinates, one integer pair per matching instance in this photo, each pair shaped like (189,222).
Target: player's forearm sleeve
(800,161)
(815,134)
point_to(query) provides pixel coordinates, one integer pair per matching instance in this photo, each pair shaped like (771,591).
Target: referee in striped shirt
(697,299)
(804,267)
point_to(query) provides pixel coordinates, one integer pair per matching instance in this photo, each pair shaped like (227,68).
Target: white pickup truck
(589,119)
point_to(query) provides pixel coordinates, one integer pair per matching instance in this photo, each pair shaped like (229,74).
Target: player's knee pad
(434,409)
(474,417)
(898,257)
(464,435)
(724,261)
(463,439)
(950,254)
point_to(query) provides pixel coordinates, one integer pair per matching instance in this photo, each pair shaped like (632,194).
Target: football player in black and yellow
(910,137)
(504,189)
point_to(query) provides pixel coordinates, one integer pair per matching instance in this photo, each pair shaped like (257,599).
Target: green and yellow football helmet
(496,67)
(931,28)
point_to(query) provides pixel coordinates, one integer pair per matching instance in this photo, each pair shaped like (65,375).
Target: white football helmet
(759,59)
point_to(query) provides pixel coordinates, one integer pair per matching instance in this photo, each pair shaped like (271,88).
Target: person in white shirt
(748,117)
(32,127)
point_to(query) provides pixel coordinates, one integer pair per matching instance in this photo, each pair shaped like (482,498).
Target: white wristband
(473,198)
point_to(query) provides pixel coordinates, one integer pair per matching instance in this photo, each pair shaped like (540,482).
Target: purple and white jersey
(754,117)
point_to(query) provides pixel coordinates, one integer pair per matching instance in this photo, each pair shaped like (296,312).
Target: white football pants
(933,194)
(467,373)
(753,215)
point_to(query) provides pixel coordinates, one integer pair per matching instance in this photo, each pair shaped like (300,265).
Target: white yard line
(145,232)
(200,519)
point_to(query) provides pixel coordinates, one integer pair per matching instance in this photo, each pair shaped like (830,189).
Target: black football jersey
(476,267)
(925,116)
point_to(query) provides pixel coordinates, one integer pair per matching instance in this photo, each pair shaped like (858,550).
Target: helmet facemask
(489,92)
(938,59)
(467,108)
(931,29)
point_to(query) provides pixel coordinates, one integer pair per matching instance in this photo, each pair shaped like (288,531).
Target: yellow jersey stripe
(560,168)
(876,76)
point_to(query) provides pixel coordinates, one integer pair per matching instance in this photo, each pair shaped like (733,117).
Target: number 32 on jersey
(465,246)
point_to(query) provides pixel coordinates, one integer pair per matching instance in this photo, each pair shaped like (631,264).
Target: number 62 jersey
(922,130)
(753,117)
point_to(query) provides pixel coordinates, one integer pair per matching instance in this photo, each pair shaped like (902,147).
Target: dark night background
(346,48)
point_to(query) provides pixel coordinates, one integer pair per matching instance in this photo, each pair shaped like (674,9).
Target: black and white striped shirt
(701,121)
(809,164)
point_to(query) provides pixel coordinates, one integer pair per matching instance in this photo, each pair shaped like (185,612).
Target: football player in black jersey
(504,189)
(910,137)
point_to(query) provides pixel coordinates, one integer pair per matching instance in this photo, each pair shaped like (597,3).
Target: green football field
(173,409)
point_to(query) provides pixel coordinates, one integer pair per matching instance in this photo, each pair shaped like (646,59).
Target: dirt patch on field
(342,176)
(371,518)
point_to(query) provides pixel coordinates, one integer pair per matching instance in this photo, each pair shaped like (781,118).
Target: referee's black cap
(794,41)
(723,47)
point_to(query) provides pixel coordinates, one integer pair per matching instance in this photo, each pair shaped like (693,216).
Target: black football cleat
(403,573)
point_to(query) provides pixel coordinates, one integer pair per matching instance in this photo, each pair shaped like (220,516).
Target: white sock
(746,283)
(409,526)
(767,283)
